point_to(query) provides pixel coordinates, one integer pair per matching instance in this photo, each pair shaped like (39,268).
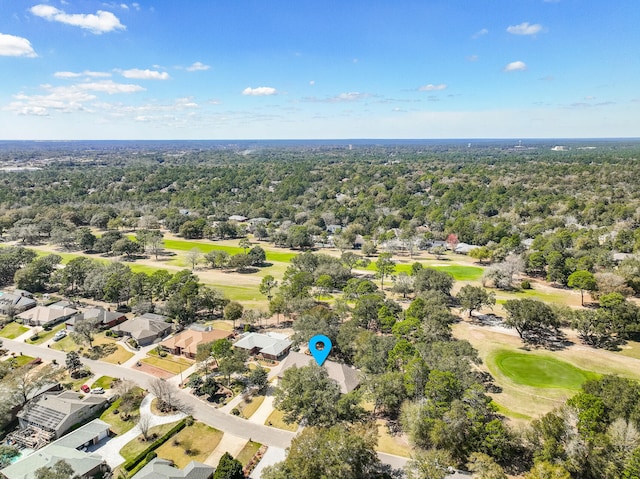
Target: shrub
(235,411)
(525,284)
(151,456)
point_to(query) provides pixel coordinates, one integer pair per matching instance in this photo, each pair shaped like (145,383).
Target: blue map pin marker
(322,342)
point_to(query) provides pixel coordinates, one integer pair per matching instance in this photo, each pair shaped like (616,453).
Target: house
(70,448)
(186,343)
(107,319)
(464,248)
(270,345)
(163,469)
(58,412)
(345,376)
(16,302)
(46,315)
(145,329)
(238,218)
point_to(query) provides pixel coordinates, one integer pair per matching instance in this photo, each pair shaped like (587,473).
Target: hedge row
(131,463)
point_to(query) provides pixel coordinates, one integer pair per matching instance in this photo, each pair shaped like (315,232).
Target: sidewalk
(110,450)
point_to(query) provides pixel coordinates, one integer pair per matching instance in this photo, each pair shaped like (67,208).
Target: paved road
(199,409)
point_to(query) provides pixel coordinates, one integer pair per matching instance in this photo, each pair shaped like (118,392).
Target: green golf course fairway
(540,371)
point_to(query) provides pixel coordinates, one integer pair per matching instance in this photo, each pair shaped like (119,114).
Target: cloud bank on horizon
(92,69)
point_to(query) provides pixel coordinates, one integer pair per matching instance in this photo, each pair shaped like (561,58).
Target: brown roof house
(270,345)
(46,315)
(145,329)
(186,342)
(16,302)
(107,319)
(71,448)
(347,377)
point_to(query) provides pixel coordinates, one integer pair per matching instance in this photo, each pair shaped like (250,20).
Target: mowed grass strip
(248,451)
(115,421)
(45,335)
(539,370)
(193,443)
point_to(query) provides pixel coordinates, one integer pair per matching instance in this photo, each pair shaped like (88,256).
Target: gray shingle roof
(162,469)
(347,377)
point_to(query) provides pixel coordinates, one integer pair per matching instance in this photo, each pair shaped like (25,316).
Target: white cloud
(431,87)
(12,46)
(100,22)
(197,67)
(85,73)
(312,82)
(516,66)
(145,74)
(473,58)
(480,33)
(525,29)
(259,91)
(110,87)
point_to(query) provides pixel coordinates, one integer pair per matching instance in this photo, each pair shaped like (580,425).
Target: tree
(232,363)
(485,467)
(340,451)
(155,242)
(472,298)
(228,468)
(60,470)
(127,247)
(167,395)
(385,266)
(240,262)
(429,464)
(233,312)
(267,285)
(429,279)
(258,377)
(306,395)
(535,321)
(84,329)
(257,255)
(7,455)
(193,257)
(403,284)
(144,424)
(24,381)
(245,244)
(73,363)
(481,254)
(546,470)
(217,258)
(582,280)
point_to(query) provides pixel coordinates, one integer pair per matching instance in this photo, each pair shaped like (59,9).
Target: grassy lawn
(103,382)
(119,356)
(20,360)
(390,444)
(115,421)
(199,439)
(631,350)
(46,335)
(462,273)
(173,364)
(248,451)
(186,245)
(66,344)
(539,370)
(135,447)
(275,420)
(241,293)
(222,325)
(13,330)
(247,409)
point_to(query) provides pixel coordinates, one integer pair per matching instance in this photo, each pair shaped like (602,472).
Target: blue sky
(236,69)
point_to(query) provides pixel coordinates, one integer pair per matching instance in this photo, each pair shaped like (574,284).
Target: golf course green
(539,370)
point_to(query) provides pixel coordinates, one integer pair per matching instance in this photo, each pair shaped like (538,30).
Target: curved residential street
(200,410)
